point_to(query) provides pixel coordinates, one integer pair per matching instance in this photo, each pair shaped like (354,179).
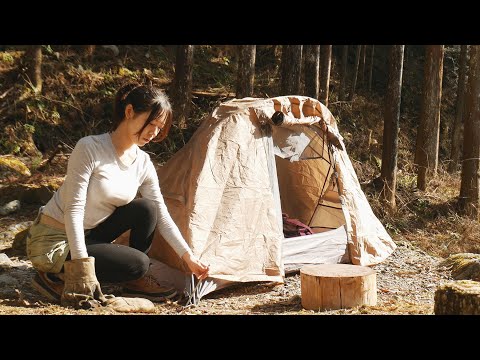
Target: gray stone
(6,279)
(10,233)
(10,207)
(112,48)
(5,261)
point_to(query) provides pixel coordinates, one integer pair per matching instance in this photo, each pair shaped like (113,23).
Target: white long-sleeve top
(97,182)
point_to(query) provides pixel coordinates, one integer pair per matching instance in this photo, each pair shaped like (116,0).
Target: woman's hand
(196,266)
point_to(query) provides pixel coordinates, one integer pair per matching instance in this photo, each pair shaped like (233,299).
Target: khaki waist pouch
(47,247)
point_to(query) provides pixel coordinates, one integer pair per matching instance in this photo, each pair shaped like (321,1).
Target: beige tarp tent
(228,186)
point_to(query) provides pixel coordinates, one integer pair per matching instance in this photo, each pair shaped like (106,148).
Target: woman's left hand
(197,267)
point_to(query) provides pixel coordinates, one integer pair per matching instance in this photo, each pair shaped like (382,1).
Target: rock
(6,279)
(37,195)
(112,48)
(20,242)
(8,285)
(10,207)
(464,266)
(11,163)
(15,228)
(458,298)
(14,233)
(5,261)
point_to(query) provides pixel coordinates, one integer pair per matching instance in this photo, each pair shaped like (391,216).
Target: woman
(73,232)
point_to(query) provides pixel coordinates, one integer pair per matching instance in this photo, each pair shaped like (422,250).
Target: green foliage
(421,204)
(36,161)
(9,147)
(108,91)
(210,69)
(161,73)
(29,128)
(6,58)
(406,180)
(55,114)
(48,49)
(226,60)
(377,161)
(17,139)
(123,71)
(391,228)
(108,77)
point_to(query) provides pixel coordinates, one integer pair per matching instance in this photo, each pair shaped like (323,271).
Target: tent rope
(327,176)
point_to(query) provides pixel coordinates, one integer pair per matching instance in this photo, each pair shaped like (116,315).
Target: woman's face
(135,123)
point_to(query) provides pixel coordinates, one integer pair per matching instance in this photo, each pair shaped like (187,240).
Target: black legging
(119,263)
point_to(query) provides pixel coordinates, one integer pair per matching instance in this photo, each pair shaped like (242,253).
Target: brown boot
(148,287)
(49,285)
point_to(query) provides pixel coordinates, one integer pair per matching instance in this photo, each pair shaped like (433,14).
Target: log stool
(337,286)
(458,298)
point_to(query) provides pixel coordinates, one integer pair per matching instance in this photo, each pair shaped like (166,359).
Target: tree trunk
(343,76)
(458,298)
(469,190)
(326,61)
(84,51)
(363,59)
(88,51)
(337,286)
(33,60)
(456,145)
(291,69)
(355,73)
(370,73)
(426,152)
(391,124)
(246,70)
(183,84)
(312,68)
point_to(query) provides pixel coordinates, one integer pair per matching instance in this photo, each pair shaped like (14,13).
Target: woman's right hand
(196,266)
(82,289)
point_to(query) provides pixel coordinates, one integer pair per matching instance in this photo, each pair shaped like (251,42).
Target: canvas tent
(227,188)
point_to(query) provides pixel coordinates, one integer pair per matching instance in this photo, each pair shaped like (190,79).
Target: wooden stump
(337,286)
(458,298)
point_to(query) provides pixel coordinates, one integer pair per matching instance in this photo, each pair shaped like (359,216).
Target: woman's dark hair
(143,98)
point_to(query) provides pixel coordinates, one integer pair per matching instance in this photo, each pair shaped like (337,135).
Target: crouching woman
(70,242)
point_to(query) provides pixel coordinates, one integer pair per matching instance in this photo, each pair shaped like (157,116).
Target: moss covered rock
(12,164)
(464,266)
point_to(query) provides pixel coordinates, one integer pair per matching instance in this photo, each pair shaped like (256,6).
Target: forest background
(411,169)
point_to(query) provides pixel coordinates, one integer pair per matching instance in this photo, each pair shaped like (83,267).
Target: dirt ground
(406,283)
